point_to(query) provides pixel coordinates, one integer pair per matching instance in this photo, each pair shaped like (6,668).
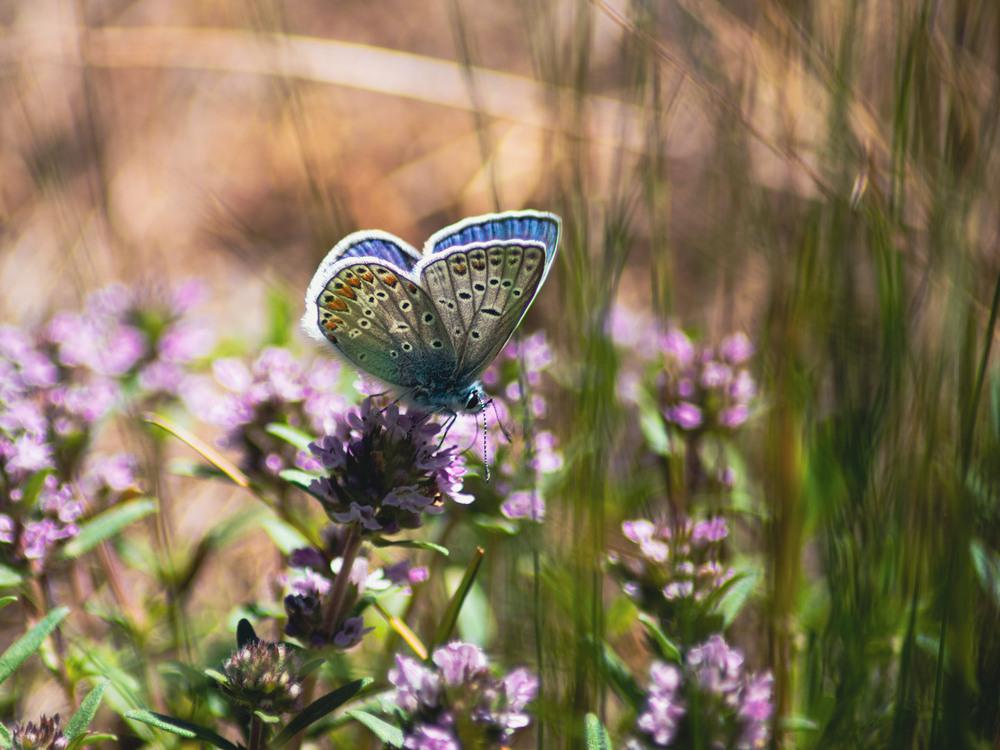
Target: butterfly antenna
(486,458)
(499,421)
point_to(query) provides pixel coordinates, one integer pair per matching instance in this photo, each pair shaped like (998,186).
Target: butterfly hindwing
(482,291)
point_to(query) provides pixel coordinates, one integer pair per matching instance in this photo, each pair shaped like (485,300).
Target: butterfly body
(428,324)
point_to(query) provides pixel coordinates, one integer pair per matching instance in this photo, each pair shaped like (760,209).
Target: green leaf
(667,646)
(300,479)
(10,576)
(214,674)
(621,679)
(410,544)
(500,525)
(798,724)
(105,525)
(33,486)
(14,656)
(5,736)
(211,454)
(85,714)
(4,601)
(595,734)
(285,536)
(182,728)
(987,566)
(318,709)
(736,596)
(455,605)
(386,732)
(299,438)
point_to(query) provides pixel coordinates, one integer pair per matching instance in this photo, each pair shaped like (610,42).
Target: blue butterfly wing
(378,245)
(532,226)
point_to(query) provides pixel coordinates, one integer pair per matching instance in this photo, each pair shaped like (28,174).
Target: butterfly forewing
(482,291)
(384,323)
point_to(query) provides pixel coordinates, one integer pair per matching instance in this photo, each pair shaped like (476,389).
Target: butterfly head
(467,400)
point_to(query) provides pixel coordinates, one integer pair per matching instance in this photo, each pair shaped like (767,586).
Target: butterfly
(429,324)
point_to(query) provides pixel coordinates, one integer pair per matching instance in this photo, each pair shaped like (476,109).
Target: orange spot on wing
(389,280)
(337,304)
(367,276)
(348,293)
(479,265)
(356,282)
(412,287)
(459,268)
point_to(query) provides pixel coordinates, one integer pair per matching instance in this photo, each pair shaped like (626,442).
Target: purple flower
(663,709)
(713,530)
(403,573)
(385,469)
(460,663)
(6,529)
(734,417)
(717,667)
(461,697)
(232,374)
(22,416)
(715,375)
(351,633)
(736,348)
(743,387)
(527,505)
(29,454)
(40,536)
(677,347)
(686,416)
(416,686)
(429,737)
(184,343)
(677,566)
(162,377)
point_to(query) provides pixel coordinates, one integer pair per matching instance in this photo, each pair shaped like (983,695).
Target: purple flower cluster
(385,468)
(45,735)
(678,566)
(734,707)
(58,383)
(705,390)
(274,388)
(458,702)
(263,676)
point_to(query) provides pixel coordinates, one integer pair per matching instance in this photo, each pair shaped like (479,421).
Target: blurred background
(821,175)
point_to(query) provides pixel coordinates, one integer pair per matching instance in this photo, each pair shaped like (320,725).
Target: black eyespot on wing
(437,343)
(478,286)
(490,311)
(407,346)
(464,295)
(475,334)
(428,317)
